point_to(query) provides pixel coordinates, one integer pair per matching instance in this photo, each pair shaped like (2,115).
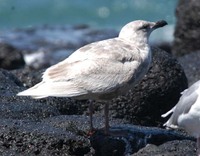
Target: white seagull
(186,114)
(101,70)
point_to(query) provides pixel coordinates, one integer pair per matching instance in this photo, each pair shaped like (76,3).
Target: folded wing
(96,68)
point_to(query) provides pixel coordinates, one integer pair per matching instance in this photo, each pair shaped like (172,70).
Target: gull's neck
(139,41)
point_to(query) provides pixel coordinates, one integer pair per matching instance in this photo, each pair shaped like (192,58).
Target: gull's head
(139,30)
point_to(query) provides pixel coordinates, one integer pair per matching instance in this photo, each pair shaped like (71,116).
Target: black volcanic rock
(187,31)
(171,148)
(190,62)
(19,137)
(28,76)
(9,83)
(128,139)
(14,107)
(26,125)
(67,135)
(10,57)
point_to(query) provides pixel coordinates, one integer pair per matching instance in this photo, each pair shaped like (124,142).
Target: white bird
(101,70)
(186,114)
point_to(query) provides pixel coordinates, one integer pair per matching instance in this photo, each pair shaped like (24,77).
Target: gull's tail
(57,89)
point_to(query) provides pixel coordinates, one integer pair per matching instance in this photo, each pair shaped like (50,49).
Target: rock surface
(19,137)
(13,107)
(187,31)
(190,63)
(129,139)
(10,57)
(171,148)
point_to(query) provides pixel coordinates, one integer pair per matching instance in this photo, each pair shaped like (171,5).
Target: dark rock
(59,135)
(28,76)
(171,148)
(15,107)
(123,139)
(9,84)
(157,93)
(22,131)
(68,106)
(105,145)
(67,135)
(166,46)
(187,31)
(10,57)
(79,124)
(191,64)
(25,108)
(128,139)
(34,127)
(18,137)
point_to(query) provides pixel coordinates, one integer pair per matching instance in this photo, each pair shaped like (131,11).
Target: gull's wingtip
(23,93)
(27,93)
(31,91)
(165,115)
(168,113)
(20,94)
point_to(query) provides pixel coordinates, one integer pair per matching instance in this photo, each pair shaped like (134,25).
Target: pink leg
(198,146)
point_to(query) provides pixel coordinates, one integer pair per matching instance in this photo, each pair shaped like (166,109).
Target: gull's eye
(146,26)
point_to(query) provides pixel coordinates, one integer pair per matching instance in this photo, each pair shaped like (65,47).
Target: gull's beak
(159,24)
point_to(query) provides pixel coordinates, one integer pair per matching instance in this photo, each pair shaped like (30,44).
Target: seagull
(186,114)
(101,70)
